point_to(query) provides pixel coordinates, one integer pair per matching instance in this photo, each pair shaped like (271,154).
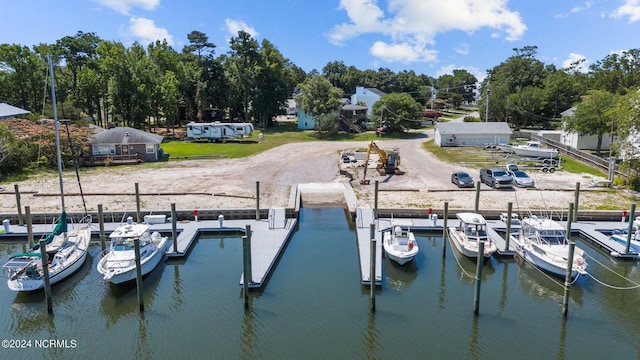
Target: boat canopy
(60,228)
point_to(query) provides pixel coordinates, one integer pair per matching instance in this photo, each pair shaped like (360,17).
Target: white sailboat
(118,265)
(543,243)
(66,250)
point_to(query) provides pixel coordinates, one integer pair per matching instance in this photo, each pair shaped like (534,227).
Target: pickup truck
(496,178)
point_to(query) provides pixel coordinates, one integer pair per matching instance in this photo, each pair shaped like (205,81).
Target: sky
(431,37)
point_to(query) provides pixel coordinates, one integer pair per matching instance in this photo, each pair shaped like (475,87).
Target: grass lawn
(273,137)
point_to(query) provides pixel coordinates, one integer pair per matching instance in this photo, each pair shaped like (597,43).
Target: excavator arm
(383,161)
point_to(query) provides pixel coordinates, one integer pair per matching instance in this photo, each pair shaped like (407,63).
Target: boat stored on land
(467,236)
(533,149)
(543,243)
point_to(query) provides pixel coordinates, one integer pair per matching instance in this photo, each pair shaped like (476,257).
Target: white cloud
(233,26)
(462,49)
(146,31)
(124,6)
(573,58)
(412,25)
(630,8)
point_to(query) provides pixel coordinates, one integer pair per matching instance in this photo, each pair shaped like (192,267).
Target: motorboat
(400,245)
(620,236)
(533,149)
(65,251)
(543,243)
(468,235)
(118,265)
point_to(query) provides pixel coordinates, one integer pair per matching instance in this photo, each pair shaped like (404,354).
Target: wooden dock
(364,219)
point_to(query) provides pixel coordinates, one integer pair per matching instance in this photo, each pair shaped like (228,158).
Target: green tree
(271,88)
(595,115)
(320,99)
(241,65)
(23,76)
(399,111)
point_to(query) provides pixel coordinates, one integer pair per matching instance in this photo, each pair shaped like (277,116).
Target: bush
(431,114)
(471,119)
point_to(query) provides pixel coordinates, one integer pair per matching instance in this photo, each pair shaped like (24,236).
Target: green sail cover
(60,228)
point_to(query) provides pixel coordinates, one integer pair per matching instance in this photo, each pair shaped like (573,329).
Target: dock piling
(103,246)
(372,269)
(632,215)
(27,210)
(477,207)
(567,279)
(444,228)
(577,197)
(17,190)
(375,200)
(507,236)
(136,249)
(476,299)
(45,271)
(138,218)
(257,200)
(174,228)
(246,262)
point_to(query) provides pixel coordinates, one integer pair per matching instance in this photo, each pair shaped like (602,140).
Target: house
(308,122)
(7,111)
(368,96)
(472,133)
(291,107)
(583,142)
(126,143)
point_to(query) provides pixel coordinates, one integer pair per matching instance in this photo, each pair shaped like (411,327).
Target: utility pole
(486,113)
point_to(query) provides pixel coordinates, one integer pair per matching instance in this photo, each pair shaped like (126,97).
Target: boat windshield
(475,230)
(552,237)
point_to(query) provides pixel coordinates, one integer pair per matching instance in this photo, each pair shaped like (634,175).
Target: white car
(521,179)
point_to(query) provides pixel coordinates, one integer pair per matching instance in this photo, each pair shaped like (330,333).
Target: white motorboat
(621,238)
(66,250)
(400,245)
(543,243)
(469,234)
(118,265)
(533,149)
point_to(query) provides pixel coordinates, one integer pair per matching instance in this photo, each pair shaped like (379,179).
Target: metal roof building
(472,133)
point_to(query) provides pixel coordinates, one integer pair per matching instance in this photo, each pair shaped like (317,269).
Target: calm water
(314,307)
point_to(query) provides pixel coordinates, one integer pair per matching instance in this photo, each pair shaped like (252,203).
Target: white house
(472,133)
(368,96)
(583,142)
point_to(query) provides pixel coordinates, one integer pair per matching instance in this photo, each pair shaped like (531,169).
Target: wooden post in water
(174,226)
(375,200)
(45,271)
(103,246)
(17,190)
(27,210)
(372,268)
(477,207)
(577,197)
(257,200)
(444,228)
(507,236)
(138,219)
(567,279)
(632,215)
(246,264)
(569,221)
(476,299)
(136,249)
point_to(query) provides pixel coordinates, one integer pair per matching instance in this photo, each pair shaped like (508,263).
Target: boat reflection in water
(541,285)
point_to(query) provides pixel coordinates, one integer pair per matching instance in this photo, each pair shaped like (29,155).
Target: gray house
(126,143)
(472,133)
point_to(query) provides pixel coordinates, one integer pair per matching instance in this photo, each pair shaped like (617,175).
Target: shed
(472,133)
(583,142)
(127,142)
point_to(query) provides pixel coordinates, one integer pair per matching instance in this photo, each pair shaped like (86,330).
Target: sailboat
(66,250)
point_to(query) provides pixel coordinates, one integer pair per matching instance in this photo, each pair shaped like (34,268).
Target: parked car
(462,179)
(496,178)
(521,179)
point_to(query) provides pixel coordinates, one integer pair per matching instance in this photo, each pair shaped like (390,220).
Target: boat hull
(76,260)
(555,264)
(469,248)
(119,275)
(401,254)
(537,153)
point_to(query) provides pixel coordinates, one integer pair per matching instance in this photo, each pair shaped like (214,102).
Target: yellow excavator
(387,162)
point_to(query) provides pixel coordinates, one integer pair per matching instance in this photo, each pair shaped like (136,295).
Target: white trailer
(216,131)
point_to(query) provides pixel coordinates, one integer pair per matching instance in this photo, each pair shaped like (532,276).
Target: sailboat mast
(57,129)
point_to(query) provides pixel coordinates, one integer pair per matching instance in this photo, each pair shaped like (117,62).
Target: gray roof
(569,112)
(7,110)
(376,91)
(457,128)
(351,107)
(126,135)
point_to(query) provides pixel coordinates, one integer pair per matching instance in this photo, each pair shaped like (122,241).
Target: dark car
(462,179)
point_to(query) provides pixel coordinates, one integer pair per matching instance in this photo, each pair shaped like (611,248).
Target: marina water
(314,307)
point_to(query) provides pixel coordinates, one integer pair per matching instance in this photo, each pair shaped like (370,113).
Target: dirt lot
(426,183)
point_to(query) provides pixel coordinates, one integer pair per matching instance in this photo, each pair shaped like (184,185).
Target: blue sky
(430,37)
